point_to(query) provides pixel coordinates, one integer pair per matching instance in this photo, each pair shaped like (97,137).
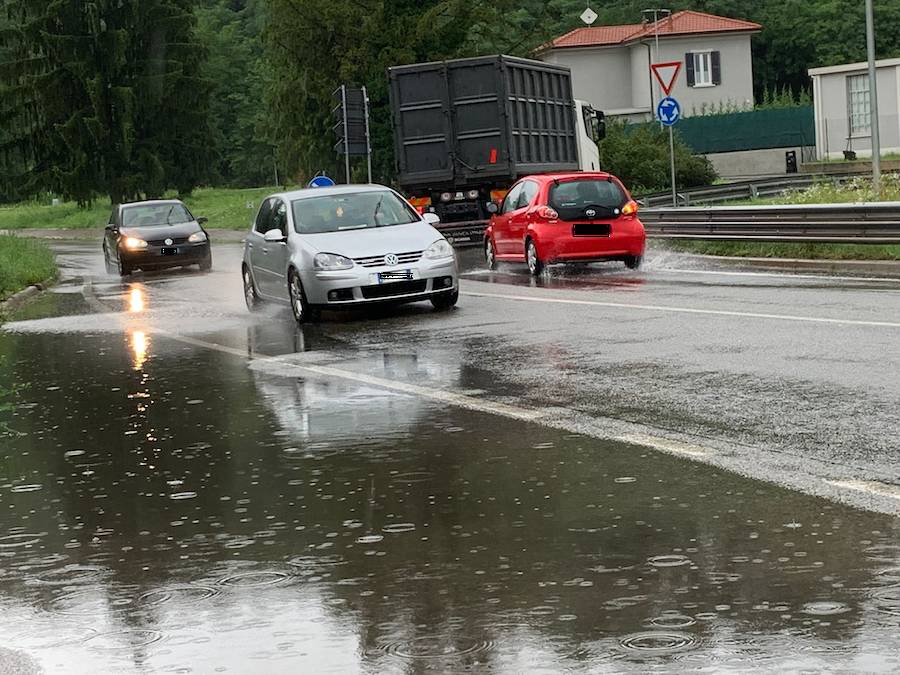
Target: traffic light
(351,121)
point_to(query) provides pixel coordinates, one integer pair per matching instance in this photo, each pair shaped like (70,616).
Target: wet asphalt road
(598,471)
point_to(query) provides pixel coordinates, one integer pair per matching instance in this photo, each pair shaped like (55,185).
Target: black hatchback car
(155,235)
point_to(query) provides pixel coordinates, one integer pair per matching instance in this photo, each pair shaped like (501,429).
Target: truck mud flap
(463,234)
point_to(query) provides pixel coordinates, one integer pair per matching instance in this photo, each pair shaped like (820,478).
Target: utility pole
(873,99)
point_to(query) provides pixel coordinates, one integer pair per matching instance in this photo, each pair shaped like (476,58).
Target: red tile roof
(681,23)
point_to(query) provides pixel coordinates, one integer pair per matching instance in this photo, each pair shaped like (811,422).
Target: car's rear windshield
(572,198)
(155,214)
(351,211)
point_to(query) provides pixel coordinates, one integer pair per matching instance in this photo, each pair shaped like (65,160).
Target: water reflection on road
(168,506)
(178,509)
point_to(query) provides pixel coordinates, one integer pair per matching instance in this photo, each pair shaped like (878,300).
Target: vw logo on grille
(391,259)
(590,213)
(168,242)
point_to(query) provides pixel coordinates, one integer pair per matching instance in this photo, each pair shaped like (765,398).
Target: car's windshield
(572,198)
(141,215)
(351,211)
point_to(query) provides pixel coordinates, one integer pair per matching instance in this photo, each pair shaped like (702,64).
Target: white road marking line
(671,447)
(871,487)
(685,310)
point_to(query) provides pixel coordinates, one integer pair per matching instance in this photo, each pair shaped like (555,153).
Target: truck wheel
(490,257)
(535,266)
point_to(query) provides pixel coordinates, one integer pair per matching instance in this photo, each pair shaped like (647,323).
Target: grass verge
(227,209)
(23,262)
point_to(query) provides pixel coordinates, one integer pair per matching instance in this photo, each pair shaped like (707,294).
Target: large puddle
(167,508)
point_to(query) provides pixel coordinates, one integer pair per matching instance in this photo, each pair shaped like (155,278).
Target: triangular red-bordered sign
(666,74)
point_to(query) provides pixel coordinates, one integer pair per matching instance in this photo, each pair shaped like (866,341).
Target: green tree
(237,69)
(103,97)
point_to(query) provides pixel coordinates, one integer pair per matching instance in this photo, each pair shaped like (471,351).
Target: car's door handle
(249,245)
(265,251)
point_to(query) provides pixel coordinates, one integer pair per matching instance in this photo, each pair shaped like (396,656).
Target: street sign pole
(346,133)
(672,160)
(365,96)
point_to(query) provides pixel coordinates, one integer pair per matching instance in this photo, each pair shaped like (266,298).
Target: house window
(858,105)
(703,69)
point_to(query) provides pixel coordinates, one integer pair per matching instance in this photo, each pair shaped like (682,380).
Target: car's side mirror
(431,218)
(492,207)
(202,220)
(274,235)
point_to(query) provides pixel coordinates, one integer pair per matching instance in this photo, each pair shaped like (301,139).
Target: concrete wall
(830,97)
(641,92)
(601,76)
(752,163)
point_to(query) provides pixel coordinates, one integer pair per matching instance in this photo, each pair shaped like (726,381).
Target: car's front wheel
(251,297)
(490,256)
(123,268)
(535,266)
(206,262)
(303,313)
(445,301)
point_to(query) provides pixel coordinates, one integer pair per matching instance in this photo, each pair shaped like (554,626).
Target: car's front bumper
(360,285)
(152,257)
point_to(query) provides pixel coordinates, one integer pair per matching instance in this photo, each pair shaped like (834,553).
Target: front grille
(378,260)
(590,230)
(162,242)
(393,289)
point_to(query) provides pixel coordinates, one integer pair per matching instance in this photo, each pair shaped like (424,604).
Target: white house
(843,113)
(611,64)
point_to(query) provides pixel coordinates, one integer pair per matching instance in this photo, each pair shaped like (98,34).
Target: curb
(16,300)
(861,268)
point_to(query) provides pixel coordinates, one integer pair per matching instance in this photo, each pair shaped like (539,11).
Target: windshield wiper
(377,209)
(169,214)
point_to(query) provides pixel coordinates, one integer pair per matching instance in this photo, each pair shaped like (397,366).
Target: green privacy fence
(751,130)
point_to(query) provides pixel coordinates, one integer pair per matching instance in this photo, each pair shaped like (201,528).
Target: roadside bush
(639,155)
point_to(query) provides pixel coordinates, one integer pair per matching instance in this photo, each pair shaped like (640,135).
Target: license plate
(168,251)
(398,275)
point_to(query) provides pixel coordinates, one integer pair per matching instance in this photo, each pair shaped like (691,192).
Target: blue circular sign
(668,111)
(320,181)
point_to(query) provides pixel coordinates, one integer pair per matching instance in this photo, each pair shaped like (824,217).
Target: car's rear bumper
(359,286)
(153,258)
(625,240)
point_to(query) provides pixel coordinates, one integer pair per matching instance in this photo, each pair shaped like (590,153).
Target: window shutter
(716,59)
(689,68)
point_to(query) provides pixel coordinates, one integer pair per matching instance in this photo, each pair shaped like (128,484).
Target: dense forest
(103,97)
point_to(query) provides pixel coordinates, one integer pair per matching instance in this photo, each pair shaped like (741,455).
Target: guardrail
(748,189)
(861,223)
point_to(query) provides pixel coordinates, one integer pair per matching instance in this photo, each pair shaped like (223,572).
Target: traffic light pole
(365,96)
(346,133)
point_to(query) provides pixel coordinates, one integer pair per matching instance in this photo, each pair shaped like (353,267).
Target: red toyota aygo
(565,218)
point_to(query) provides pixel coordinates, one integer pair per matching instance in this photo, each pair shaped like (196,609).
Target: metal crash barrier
(861,223)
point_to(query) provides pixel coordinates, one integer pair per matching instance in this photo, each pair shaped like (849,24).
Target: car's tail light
(546,213)
(630,209)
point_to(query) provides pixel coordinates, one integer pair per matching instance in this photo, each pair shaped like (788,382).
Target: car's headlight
(439,249)
(133,243)
(197,237)
(332,261)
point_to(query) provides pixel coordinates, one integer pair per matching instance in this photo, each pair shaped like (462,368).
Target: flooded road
(187,488)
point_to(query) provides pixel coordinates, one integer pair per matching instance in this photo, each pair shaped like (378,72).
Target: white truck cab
(590,128)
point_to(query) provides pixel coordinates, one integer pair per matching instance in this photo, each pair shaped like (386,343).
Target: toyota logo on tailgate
(391,259)
(590,213)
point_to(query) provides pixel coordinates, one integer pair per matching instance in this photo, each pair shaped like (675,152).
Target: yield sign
(666,74)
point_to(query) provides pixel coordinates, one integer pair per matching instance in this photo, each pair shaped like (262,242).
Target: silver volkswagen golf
(344,246)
